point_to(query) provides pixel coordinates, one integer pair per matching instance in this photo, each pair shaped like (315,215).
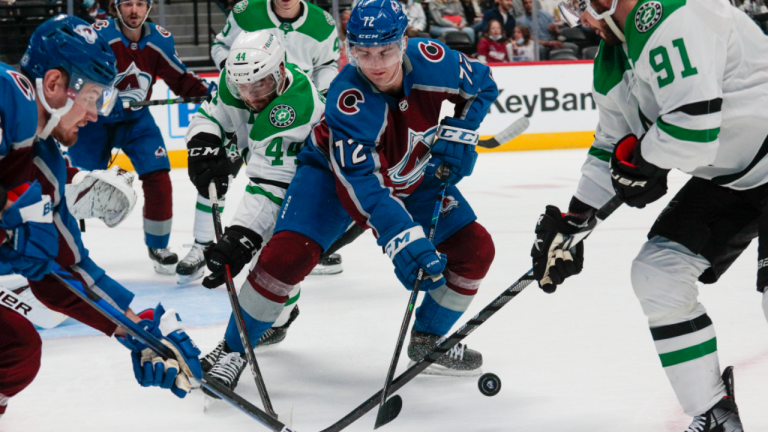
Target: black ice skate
(275,335)
(164,260)
(724,416)
(192,267)
(459,361)
(227,370)
(328,265)
(212,357)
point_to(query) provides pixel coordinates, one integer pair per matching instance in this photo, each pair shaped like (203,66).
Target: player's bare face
(286,5)
(83,110)
(133,12)
(600,27)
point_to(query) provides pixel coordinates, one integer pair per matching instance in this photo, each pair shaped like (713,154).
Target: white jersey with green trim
(618,117)
(274,136)
(311,42)
(701,79)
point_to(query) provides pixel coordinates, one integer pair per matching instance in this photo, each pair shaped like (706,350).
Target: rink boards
(555,96)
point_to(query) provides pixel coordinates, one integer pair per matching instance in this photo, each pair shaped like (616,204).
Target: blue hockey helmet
(376,23)
(70,43)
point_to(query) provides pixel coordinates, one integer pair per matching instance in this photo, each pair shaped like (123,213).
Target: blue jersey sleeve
(18,111)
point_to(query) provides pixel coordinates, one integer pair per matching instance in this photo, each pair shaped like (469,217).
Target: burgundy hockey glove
(635,180)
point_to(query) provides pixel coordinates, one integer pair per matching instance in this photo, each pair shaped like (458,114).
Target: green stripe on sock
(688,354)
(256,190)
(207,209)
(293,299)
(683,134)
(599,153)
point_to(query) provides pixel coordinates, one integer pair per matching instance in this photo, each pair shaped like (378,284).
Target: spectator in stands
(492,48)
(547,31)
(503,14)
(522,47)
(472,12)
(417,21)
(449,17)
(345,14)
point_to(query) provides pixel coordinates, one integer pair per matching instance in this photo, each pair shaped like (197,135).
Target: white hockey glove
(104,194)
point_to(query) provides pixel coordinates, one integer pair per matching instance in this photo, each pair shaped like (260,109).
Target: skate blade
(185,279)
(321,270)
(438,370)
(208,402)
(164,269)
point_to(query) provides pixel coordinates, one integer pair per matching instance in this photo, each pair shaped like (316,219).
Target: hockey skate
(212,357)
(227,370)
(459,361)
(724,416)
(275,335)
(192,267)
(164,260)
(329,265)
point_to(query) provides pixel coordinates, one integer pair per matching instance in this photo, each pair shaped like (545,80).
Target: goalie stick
(119,318)
(471,325)
(511,132)
(154,102)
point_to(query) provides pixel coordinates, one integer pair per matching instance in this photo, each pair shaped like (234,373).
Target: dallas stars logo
(647,16)
(240,6)
(282,116)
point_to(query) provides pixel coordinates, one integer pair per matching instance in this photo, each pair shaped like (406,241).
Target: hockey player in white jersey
(306,32)
(680,85)
(271,106)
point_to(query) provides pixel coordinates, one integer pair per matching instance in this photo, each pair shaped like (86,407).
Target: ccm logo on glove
(459,135)
(204,151)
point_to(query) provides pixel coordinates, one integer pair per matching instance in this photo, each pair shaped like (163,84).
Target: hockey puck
(489,384)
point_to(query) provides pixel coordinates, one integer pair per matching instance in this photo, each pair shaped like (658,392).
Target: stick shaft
(241,328)
(154,102)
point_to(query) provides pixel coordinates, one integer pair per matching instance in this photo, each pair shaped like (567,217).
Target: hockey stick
(470,326)
(119,319)
(244,338)
(154,102)
(388,410)
(511,132)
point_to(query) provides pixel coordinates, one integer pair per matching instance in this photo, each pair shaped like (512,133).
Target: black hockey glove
(208,161)
(551,264)
(635,180)
(237,248)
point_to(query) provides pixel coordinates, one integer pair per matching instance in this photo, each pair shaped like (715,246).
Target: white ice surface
(581,359)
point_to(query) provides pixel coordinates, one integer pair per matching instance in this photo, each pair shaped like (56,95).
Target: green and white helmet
(253,65)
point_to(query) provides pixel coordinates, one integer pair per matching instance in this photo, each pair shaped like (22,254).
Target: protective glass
(255,90)
(571,11)
(375,57)
(92,96)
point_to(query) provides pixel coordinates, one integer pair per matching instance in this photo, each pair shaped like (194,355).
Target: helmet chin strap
(399,68)
(612,24)
(56,114)
(149,9)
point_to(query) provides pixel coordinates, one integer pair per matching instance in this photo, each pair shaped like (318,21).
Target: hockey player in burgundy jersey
(144,52)
(374,159)
(73,71)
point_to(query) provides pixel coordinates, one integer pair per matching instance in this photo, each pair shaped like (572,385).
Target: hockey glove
(551,264)
(208,161)
(118,112)
(635,180)
(31,242)
(236,248)
(434,168)
(152,370)
(104,194)
(411,250)
(212,87)
(456,147)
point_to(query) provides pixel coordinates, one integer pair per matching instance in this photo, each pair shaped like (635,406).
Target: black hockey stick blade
(511,132)
(389,411)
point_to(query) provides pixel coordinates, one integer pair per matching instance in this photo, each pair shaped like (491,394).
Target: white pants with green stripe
(664,277)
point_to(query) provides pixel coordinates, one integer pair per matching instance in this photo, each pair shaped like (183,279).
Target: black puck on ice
(489,384)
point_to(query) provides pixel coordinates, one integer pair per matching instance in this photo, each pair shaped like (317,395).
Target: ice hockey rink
(579,360)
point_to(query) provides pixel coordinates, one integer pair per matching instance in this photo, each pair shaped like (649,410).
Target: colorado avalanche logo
(133,84)
(432,51)
(449,203)
(87,33)
(395,5)
(410,169)
(348,101)
(23,84)
(101,24)
(163,32)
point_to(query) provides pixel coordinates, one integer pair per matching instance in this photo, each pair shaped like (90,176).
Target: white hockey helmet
(253,65)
